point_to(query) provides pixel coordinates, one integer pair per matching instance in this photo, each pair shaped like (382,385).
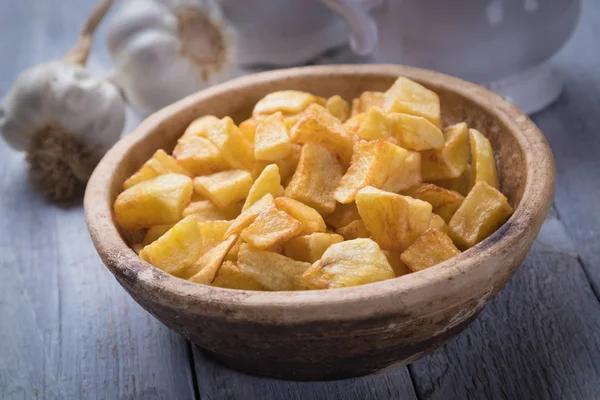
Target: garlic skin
(63,94)
(165,50)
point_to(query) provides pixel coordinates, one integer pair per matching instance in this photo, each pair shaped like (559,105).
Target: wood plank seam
(192,362)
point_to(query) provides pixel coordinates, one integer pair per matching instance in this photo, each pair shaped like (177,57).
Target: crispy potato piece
(273,271)
(291,121)
(367,100)
(482,162)
(212,233)
(451,160)
(249,215)
(309,217)
(404,173)
(444,202)
(235,249)
(396,263)
(224,188)
(461,185)
(199,156)
(353,123)
(483,211)
(414,132)
(338,107)
(286,165)
(157,201)
(199,126)
(206,210)
(271,228)
(230,276)
(350,263)
(438,223)
(317,176)
(289,102)
(232,144)
(376,163)
(311,247)
(343,215)
(431,248)
(154,232)
(394,221)
(161,163)
(248,129)
(408,97)
(317,125)
(271,141)
(375,125)
(269,181)
(177,250)
(354,230)
(209,263)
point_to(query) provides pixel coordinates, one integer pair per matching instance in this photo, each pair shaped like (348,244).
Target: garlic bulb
(63,117)
(165,50)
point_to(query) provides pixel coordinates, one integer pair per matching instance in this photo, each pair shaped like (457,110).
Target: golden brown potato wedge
(289,102)
(230,276)
(271,228)
(232,144)
(224,188)
(396,263)
(450,161)
(482,212)
(161,163)
(375,125)
(199,156)
(206,210)
(154,232)
(350,263)
(438,223)
(414,132)
(444,202)
(310,248)
(367,100)
(309,217)
(269,181)
(482,160)
(209,263)
(157,201)
(431,248)
(408,97)
(343,215)
(249,215)
(271,140)
(338,107)
(354,230)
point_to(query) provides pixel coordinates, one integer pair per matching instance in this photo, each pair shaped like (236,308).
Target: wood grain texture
(537,339)
(572,126)
(217,382)
(68,331)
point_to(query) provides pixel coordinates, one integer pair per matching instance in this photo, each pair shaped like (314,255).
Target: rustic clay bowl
(336,333)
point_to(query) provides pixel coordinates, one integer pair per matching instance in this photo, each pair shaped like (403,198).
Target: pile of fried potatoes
(312,193)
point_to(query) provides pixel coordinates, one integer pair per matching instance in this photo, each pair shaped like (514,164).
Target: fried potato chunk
(230,276)
(309,217)
(377,163)
(154,232)
(232,144)
(248,129)
(444,202)
(273,271)
(394,221)
(206,210)
(289,102)
(396,263)
(199,126)
(414,132)
(354,230)
(343,215)
(157,201)
(199,156)
(209,263)
(271,141)
(451,160)
(461,185)
(404,173)
(353,123)
(224,188)
(317,125)
(212,233)
(161,163)
(375,125)
(249,215)
(438,223)
(286,165)
(271,228)
(408,97)
(483,211)
(431,248)
(350,263)
(317,176)
(367,100)
(176,251)
(482,160)
(268,181)
(338,107)
(311,247)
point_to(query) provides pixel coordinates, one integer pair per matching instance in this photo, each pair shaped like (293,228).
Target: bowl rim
(300,306)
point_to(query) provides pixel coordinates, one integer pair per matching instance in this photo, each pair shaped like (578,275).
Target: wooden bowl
(336,333)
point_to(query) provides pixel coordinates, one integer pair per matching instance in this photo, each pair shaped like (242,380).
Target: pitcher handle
(362,26)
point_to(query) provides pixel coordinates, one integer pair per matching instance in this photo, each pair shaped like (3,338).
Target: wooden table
(68,330)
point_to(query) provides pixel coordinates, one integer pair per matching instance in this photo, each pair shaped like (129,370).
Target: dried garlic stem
(79,53)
